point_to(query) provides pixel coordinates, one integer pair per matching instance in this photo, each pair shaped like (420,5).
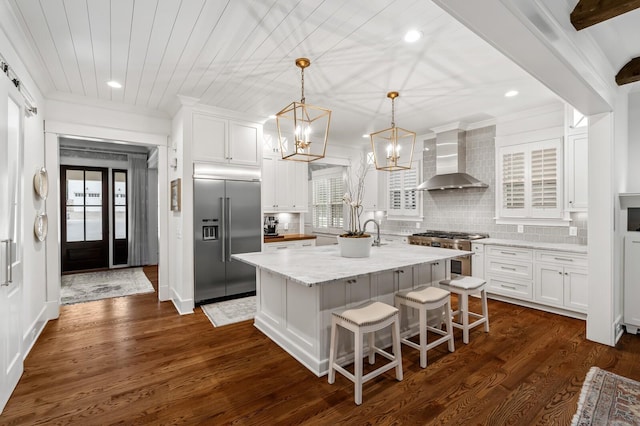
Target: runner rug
(89,286)
(230,311)
(608,399)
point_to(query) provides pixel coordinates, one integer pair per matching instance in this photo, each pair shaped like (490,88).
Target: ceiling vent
(451,158)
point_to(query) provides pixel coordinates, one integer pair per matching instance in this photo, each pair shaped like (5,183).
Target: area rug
(230,311)
(608,399)
(90,286)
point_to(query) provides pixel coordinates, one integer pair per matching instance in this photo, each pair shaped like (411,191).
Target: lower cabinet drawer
(507,287)
(521,270)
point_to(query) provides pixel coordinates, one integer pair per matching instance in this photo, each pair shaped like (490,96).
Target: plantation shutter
(395,191)
(544,182)
(530,180)
(409,184)
(513,179)
(404,200)
(328,189)
(336,192)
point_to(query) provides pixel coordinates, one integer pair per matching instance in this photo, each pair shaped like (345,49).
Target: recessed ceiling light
(366,135)
(114,84)
(412,36)
(272,116)
(511,94)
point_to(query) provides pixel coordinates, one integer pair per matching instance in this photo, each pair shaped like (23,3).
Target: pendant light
(303,128)
(393,147)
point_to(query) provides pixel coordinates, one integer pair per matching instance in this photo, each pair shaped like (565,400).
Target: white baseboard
(53,310)
(34,330)
(164,293)
(184,307)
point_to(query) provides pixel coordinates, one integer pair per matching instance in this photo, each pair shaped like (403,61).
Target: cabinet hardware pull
(9,257)
(564,259)
(509,252)
(559,272)
(280,248)
(566,273)
(635,242)
(510,287)
(507,268)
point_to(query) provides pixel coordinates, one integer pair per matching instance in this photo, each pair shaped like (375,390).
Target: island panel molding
(296,297)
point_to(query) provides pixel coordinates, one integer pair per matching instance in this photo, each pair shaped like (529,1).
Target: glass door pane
(120,204)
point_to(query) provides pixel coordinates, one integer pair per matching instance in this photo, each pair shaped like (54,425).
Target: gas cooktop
(451,235)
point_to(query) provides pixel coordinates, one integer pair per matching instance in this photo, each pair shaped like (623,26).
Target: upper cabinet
(577,171)
(576,160)
(284,185)
(221,140)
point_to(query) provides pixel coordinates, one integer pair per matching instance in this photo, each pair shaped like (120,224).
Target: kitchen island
(297,290)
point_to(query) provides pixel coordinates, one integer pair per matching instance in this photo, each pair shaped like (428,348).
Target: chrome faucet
(376,241)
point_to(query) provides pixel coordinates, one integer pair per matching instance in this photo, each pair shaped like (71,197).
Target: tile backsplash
(290,221)
(473,209)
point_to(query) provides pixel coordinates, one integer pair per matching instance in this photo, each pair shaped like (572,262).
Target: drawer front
(512,288)
(561,258)
(306,243)
(518,270)
(273,247)
(514,253)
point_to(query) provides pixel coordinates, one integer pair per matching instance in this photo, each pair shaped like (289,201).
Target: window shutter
(327,207)
(410,182)
(530,180)
(395,190)
(544,182)
(513,178)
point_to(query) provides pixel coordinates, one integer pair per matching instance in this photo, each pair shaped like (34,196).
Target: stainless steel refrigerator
(227,220)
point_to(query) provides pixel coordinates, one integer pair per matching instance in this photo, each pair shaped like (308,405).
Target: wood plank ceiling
(591,12)
(239,55)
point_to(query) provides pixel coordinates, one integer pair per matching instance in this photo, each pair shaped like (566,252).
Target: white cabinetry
(374,198)
(283,245)
(509,271)
(547,279)
(577,172)
(284,185)
(217,139)
(429,274)
(561,280)
(477,260)
(632,282)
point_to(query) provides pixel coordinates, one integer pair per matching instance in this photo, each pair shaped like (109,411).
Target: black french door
(85,218)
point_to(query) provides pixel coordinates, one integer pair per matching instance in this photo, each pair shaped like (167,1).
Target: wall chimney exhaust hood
(451,158)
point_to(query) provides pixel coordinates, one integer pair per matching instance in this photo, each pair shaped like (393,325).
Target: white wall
(34,315)
(633,157)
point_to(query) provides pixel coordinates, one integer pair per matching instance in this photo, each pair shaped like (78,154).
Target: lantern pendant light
(303,128)
(393,147)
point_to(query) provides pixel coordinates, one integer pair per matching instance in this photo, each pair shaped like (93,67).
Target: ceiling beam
(591,12)
(629,73)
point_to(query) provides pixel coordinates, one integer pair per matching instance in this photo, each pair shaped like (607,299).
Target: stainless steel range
(450,240)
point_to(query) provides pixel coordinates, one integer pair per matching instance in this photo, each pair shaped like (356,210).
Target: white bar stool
(424,299)
(464,287)
(366,318)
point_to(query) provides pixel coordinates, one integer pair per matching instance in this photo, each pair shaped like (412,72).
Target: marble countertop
(573,248)
(311,266)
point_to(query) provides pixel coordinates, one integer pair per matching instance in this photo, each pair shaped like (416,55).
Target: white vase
(355,247)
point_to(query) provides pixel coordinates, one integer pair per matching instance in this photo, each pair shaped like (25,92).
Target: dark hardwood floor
(134,360)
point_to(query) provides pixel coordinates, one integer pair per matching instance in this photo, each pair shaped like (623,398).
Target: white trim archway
(55,129)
